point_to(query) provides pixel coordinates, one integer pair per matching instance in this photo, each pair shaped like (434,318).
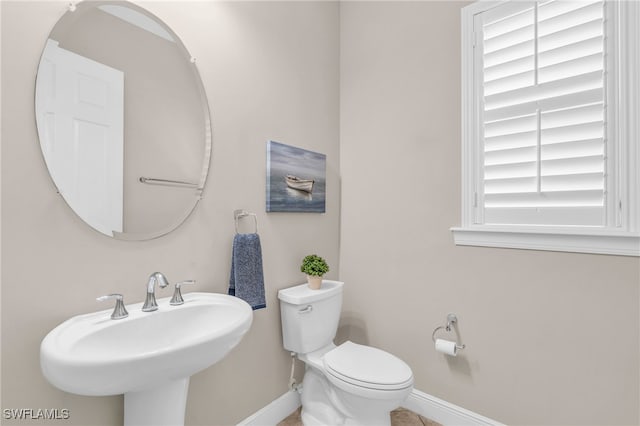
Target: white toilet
(349,384)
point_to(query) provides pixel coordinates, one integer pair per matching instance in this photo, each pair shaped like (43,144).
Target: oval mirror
(122,119)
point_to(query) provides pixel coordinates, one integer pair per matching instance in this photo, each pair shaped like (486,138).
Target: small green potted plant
(315,267)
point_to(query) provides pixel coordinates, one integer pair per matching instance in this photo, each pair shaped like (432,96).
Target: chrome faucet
(150,302)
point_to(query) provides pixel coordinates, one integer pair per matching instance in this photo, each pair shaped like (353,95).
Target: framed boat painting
(296,179)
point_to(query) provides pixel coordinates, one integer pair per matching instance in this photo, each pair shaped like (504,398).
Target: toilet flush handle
(306,310)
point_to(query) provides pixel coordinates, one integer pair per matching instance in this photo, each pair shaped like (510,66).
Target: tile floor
(399,417)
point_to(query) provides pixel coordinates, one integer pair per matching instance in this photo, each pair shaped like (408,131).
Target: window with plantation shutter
(550,94)
(543,105)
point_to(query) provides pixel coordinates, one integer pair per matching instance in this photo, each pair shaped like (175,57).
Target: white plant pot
(314,282)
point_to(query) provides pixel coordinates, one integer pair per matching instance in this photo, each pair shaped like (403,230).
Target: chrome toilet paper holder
(452,319)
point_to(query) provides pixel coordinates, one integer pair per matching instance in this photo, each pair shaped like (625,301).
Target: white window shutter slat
(573,14)
(547,91)
(551,9)
(505,17)
(580,148)
(510,53)
(577,198)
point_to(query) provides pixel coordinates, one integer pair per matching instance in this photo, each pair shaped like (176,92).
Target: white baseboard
(275,412)
(419,402)
(444,412)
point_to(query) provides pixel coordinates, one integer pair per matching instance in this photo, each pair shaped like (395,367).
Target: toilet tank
(310,317)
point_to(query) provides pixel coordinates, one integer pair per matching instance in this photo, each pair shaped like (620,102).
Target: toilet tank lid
(302,294)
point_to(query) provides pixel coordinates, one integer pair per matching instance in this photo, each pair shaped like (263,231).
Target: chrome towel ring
(239,214)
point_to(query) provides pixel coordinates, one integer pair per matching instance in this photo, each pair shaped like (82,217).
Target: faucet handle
(119,311)
(177,294)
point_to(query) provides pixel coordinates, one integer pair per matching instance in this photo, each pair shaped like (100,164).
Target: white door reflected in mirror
(80,106)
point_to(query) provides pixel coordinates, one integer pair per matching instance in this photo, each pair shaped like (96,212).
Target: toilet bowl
(349,384)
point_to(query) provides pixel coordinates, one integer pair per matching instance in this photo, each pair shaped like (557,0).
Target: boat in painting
(295,182)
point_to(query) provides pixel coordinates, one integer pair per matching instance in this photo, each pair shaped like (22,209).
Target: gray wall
(552,338)
(271,72)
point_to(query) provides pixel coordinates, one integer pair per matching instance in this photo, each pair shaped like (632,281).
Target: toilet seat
(367,367)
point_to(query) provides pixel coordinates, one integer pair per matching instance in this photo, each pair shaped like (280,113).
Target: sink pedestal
(162,405)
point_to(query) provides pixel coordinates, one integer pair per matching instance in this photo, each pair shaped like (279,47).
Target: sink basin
(94,355)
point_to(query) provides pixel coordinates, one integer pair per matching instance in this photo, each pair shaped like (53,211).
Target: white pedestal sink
(148,356)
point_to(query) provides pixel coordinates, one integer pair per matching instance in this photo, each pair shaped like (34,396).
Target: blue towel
(246,280)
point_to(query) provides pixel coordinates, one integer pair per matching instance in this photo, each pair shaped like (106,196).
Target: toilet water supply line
(292,381)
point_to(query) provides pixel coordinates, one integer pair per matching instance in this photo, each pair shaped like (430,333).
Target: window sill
(566,240)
